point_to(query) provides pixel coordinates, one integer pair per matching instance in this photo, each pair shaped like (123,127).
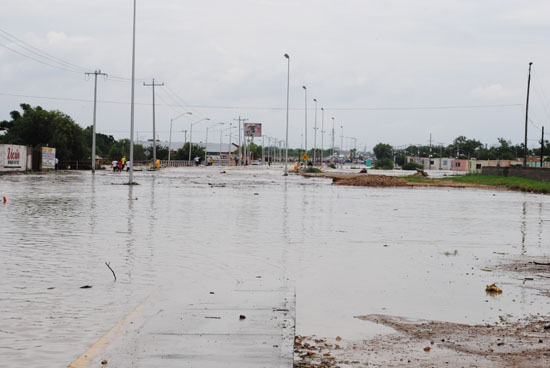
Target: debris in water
(493,289)
(242,316)
(86,287)
(427,349)
(5,199)
(104,361)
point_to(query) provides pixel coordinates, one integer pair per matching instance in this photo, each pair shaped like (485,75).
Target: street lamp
(322,134)
(170,141)
(131,174)
(342,140)
(305,109)
(191,134)
(287,99)
(333,136)
(315,134)
(206,144)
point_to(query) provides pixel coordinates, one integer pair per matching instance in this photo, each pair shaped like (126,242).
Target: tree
(382,150)
(183,153)
(103,142)
(383,164)
(37,127)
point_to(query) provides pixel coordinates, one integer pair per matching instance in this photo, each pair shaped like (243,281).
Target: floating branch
(108,264)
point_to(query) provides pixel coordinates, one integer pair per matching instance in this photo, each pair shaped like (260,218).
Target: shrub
(412,166)
(313,170)
(384,164)
(332,165)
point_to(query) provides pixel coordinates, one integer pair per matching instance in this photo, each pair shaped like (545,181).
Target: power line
(259,107)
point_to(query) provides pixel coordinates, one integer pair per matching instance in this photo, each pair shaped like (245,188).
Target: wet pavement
(184,233)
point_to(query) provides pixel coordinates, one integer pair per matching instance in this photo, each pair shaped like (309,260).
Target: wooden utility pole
(154,131)
(527,115)
(96,73)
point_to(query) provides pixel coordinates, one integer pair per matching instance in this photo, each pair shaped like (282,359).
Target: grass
(313,170)
(510,182)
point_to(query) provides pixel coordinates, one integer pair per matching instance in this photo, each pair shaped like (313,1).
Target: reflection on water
(347,251)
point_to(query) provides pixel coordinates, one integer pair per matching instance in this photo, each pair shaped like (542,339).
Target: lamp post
(131,174)
(287,100)
(191,134)
(322,134)
(333,136)
(206,144)
(341,141)
(305,129)
(527,116)
(315,135)
(170,141)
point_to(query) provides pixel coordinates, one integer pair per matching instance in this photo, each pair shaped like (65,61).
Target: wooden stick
(108,265)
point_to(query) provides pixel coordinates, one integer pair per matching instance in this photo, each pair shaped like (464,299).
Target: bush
(313,170)
(332,165)
(384,164)
(412,166)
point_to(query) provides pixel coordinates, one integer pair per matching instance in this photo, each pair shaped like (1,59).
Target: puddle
(347,251)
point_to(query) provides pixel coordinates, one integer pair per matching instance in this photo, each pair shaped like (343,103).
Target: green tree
(382,150)
(383,164)
(103,142)
(183,153)
(38,127)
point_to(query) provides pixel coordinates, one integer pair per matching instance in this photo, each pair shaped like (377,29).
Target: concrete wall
(528,172)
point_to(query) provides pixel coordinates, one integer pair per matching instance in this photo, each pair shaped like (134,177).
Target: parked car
(255,162)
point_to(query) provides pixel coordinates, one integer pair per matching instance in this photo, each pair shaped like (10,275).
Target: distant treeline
(461,147)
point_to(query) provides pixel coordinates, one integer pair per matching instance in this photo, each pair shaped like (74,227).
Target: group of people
(120,165)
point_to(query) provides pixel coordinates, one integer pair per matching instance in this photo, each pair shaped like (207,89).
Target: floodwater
(347,251)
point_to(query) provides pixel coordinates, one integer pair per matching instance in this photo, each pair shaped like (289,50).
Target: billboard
(253,129)
(13,157)
(48,158)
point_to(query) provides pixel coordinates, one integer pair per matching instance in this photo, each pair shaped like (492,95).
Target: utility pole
(342,142)
(185,140)
(542,148)
(96,73)
(430,157)
(240,145)
(527,115)
(154,131)
(305,129)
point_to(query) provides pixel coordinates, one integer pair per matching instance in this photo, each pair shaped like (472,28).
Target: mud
(370,180)
(424,343)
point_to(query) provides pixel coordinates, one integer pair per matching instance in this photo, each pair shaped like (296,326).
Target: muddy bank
(423,343)
(373,180)
(510,342)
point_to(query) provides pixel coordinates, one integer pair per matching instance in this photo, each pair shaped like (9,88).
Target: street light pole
(170,141)
(333,136)
(206,144)
(322,134)
(527,115)
(191,135)
(305,110)
(287,101)
(315,135)
(131,174)
(341,139)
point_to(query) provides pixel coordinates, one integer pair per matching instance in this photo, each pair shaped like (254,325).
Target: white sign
(48,158)
(13,157)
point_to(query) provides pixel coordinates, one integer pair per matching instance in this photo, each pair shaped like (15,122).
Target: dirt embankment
(424,343)
(372,180)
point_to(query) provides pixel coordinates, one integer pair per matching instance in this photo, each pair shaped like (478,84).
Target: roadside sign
(305,157)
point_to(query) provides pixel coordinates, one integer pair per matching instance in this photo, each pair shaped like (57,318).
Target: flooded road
(347,251)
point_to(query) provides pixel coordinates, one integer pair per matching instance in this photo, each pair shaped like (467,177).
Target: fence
(535,173)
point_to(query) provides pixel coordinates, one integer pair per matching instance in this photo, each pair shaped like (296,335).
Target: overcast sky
(363,61)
